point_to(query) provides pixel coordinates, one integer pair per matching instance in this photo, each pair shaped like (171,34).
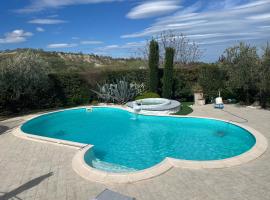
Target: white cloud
(153,9)
(90,42)
(16,36)
(61,45)
(125,50)
(202,22)
(39,5)
(265,16)
(115,46)
(40,29)
(47,21)
(75,38)
(129,45)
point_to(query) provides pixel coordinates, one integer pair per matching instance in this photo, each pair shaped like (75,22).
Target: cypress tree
(167,86)
(153,66)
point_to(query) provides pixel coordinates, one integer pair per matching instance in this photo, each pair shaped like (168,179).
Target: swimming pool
(125,142)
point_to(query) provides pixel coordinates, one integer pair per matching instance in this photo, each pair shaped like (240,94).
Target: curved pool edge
(92,174)
(86,171)
(21,134)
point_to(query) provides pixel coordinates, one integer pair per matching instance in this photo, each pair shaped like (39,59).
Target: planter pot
(201,102)
(198,98)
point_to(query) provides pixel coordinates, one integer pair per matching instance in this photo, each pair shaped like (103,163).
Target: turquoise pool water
(126,142)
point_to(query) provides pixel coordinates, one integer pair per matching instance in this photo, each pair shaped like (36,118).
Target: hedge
(69,89)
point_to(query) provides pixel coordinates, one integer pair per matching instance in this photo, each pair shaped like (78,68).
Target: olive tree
(23,79)
(264,82)
(242,63)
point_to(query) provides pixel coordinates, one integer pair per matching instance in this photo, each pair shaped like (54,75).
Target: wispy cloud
(90,42)
(224,21)
(16,36)
(125,50)
(39,5)
(47,21)
(61,45)
(153,9)
(127,47)
(40,29)
(75,38)
(265,16)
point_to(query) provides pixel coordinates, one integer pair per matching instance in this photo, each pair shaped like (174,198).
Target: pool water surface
(124,141)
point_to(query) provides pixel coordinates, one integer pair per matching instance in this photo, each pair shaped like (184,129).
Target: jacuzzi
(155,104)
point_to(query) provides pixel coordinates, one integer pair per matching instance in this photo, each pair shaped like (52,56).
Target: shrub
(184,79)
(264,83)
(23,81)
(148,95)
(242,64)
(69,89)
(153,66)
(120,91)
(212,79)
(94,103)
(167,88)
(95,76)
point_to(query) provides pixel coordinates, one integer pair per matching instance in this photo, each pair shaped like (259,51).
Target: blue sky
(119,27)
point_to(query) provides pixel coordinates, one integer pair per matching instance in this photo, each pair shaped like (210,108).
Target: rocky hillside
(62,61)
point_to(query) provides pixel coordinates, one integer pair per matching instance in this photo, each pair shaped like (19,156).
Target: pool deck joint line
(93,174)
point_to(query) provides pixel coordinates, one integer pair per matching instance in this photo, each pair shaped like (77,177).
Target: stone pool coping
(84,170)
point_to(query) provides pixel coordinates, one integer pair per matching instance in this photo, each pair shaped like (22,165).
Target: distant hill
(62,61)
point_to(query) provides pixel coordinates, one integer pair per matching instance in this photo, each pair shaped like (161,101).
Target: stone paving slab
(39,171)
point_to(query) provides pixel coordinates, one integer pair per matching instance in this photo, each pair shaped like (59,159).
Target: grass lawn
(185,109)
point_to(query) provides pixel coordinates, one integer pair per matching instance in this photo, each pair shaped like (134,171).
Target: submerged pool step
(110,167)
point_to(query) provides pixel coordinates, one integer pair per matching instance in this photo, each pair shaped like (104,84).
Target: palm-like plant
(120,92)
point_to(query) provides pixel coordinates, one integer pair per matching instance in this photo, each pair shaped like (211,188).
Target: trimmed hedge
(184,79)
(148,95)
(69,89)
(212,79)
(132,75)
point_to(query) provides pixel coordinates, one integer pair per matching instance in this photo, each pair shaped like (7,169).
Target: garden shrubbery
(23,80)
(26,81)
(68,89)
(147,95)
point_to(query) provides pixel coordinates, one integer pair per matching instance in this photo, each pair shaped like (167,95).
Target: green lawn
(185,109)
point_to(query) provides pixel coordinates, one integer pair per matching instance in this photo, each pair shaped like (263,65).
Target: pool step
(110,167)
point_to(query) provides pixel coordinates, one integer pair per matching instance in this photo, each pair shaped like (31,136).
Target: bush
(243,66)
(264,83)
(94,103)
(167,88)
(184,79)
(69,89)
(212,79)
(23,81)
(148,95)
(132,75)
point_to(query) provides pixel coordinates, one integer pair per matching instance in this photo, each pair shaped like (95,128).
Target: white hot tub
(155,104)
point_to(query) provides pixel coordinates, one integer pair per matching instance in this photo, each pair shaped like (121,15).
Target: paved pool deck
(33,170)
